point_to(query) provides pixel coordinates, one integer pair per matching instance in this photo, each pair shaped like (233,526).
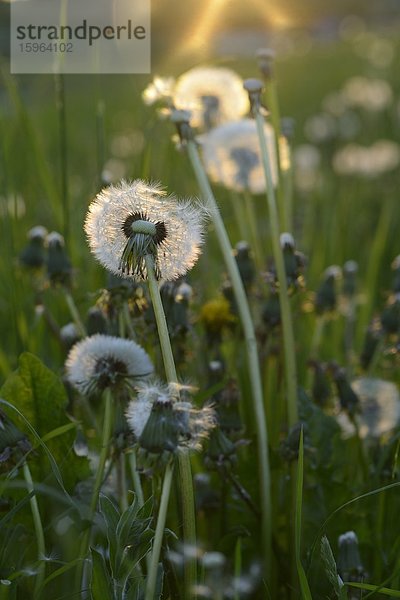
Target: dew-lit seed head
(127,223)
(100,361)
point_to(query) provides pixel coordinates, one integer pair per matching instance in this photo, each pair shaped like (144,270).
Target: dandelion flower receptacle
(101,361)
(130,221)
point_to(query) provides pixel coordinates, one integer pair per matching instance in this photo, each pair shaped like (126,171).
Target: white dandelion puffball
(213,95)
(232,156)
(380,408)
(139,409)
(102,361)
(127,222)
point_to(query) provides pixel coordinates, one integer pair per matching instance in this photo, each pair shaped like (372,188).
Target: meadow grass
(322,484)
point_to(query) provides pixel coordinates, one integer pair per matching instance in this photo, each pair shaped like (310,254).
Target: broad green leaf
(40,396)
(101,581)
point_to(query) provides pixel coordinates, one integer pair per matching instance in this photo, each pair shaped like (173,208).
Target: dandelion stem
(137,485)
(286,315)
(74,313)
(37,522)
(105,442)
(251,347)
(159,533)
(185,472)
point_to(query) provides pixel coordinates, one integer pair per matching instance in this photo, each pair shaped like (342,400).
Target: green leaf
(331,568)
(40,396)
(111,516)
(304,587)
(101,581)
(375,588)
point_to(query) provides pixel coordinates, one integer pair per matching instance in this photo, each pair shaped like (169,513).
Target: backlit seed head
(102,361)
(128,222)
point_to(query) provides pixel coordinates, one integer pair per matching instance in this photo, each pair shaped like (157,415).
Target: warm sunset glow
(198,36)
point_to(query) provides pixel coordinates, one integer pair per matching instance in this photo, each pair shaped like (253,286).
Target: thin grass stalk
(251,347)
(74,313)
(62,126)
(304,587)
(105,442)
(254,233)
(185,471)
(286,314)
(37,523)
(159,533)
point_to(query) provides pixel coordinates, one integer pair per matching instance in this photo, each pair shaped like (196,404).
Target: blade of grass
(304,587)
(374,588)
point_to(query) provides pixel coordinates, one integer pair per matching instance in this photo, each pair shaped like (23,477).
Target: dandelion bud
(289,448)
(13,444)
(266,58)
(349,561)
(350,269)
(254,87)
(371,342)
(325,298)
(59,267)
(245,263)
(96,321)
(321,389)
(271,311)
(349,400)
(390,317)
(69,335)
(220,450)
(227,408)
(161,431)
(34,253)
(181,119)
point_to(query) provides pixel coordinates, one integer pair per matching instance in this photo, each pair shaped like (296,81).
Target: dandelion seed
(101,361)
(163,423)
(161,88)
(128,222)
(232,156)
(213,95)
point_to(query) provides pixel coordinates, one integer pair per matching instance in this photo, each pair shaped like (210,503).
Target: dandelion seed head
(102,361)
(128,221)
(232,156)
(213,95)
(348,537)
(379,408)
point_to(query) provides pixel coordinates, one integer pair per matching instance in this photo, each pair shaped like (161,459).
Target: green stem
(255,236)
(121,478)
(287,187)
(251,347)
(187,493)
(74,313)
(37,523)
(159,533)
(105,443)
(137,485)
(286,315)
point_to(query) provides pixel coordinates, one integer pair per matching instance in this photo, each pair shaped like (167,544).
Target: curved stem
(185,472)
(286,315)
(251,347)
(159,533)
(74,313)
(105,442)
(37,523)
